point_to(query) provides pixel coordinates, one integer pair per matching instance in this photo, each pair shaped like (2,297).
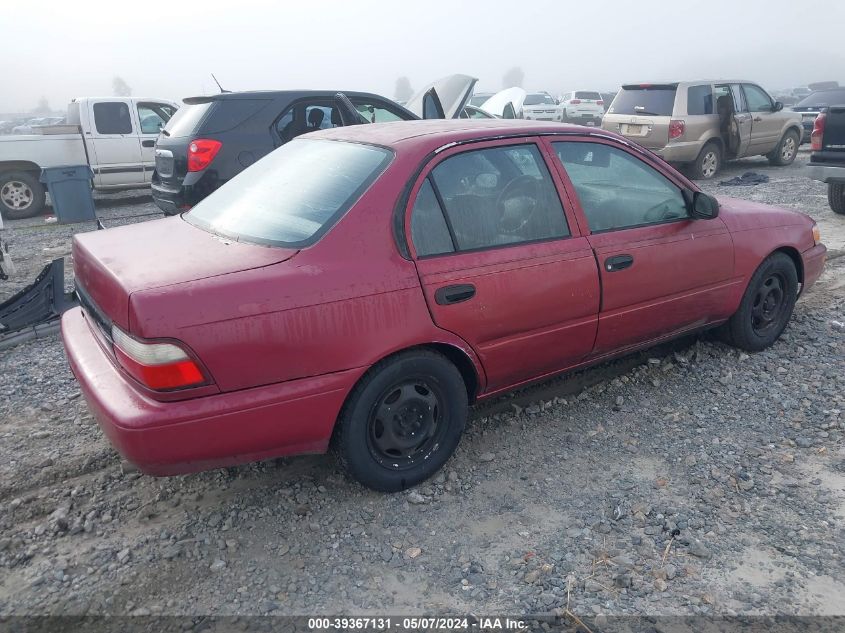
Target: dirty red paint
(285,334)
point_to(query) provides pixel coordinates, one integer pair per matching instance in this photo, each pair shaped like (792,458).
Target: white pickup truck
(114,135)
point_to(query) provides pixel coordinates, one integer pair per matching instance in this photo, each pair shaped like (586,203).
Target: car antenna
(218,84)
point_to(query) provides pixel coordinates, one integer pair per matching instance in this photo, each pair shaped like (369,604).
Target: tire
(21,195)
(836,197)
(427,398)
(708,163)
(786,151)
(766,306)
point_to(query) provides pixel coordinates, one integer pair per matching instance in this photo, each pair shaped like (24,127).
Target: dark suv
(212,139)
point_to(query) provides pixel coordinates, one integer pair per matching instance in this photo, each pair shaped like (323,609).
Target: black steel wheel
(766,306)
(402,421)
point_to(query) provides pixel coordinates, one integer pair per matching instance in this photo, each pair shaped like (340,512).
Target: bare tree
(43,106)
(403,90)
(120,87)
(513,77)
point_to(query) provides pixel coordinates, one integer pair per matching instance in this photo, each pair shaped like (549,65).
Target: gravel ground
(693,480)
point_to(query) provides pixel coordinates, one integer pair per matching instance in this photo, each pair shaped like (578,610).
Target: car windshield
(583,94)
(648,100)
(477,100)
(824,98)
(293,195)
(539,99)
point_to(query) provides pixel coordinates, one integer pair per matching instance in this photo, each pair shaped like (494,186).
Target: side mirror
(704,206)
(778,106)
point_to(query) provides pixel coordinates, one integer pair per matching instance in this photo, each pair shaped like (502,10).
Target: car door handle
(148,143)
(454,294)
(618,262)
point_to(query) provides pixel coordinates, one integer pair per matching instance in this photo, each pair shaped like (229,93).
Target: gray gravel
(700,480)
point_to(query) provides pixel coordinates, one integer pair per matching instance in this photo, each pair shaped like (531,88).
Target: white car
(582,106)
(541,106)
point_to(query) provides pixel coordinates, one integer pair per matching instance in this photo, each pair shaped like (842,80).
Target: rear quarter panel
(346,302)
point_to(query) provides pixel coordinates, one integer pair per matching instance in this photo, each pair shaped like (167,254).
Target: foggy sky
(65,48)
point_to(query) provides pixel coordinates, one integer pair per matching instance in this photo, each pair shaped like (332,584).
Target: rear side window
(583,94)
(824,98)
(498,196)
(645,100)
(292,196)
(700,99)
(230,113)
(429,231)
(112,118)
(187,119)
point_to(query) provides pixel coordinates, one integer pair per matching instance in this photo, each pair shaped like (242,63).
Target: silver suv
(699,124)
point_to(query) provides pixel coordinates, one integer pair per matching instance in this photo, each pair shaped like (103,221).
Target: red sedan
(362,285)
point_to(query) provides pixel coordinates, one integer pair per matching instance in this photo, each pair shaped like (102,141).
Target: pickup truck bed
(827,162)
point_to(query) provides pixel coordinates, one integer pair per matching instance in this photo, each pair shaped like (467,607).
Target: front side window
(304,117)
(293,195)
(498,196)
(375,113)
(758,100)
(112,118)
(616,189)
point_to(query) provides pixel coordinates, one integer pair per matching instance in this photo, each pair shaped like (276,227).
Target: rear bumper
(814,260)
(168,438)
(170,200)
(682,152)
(826,173)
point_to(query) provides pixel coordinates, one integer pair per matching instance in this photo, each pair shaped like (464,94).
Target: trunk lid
(444,98)
(110,265)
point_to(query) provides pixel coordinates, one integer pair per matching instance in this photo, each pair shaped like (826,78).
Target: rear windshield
(537,99)
(186,119)
(824,98)
(647,100)
(583,94)
(292,196)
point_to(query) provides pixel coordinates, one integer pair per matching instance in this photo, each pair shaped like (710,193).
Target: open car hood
(506,103)
(442,99)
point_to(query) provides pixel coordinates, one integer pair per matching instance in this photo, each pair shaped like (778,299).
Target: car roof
(638,84)
(434,133)
(275,94)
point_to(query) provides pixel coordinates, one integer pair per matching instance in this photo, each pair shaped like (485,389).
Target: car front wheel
(785,152)
(402,421)
(21,195)
(766,306)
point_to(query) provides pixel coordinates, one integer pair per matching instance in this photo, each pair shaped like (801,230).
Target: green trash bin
(70,192)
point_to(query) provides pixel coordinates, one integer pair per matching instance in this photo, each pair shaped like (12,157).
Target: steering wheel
(660,211)
(517,203)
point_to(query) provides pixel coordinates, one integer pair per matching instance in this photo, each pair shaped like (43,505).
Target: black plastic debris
(42,301)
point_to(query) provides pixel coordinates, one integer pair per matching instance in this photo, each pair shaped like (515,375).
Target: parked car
(700,124)
(365,283)
(541,106)
(506,104)
(582,106)
(112,140)
(478,98)
(212,139)
(827,161)
(823,85)
(812,106)
(802,92)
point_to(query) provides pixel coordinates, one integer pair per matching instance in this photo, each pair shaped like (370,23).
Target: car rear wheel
(836,197)
(21,195)
(785,152)
(766,306)
(708,163)
(402,421)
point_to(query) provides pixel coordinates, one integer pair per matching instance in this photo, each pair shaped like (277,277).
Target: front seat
(315,119)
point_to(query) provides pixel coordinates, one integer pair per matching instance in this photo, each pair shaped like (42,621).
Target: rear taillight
(818,132)
(676,128)
(158,366)
(575,101)
(201,152)
(600,102)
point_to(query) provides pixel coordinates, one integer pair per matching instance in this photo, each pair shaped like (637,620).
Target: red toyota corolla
(364,284)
